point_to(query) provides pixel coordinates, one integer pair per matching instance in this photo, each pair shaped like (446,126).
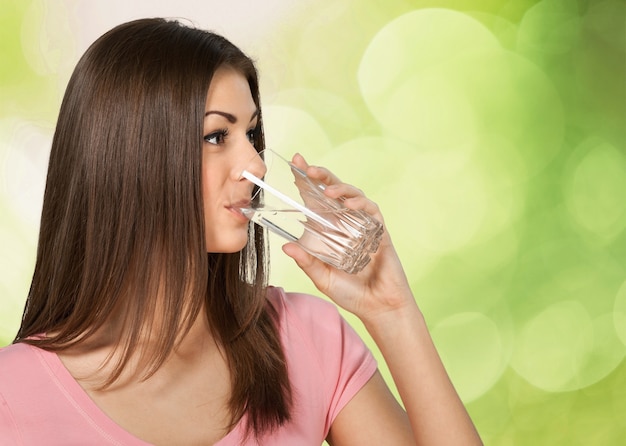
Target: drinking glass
(294,206)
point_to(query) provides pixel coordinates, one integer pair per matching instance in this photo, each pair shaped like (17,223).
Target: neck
(104,350)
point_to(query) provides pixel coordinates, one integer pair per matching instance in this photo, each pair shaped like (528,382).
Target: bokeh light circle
(438,213)
(458,92)
(619,313)
(331,111)
(472,350)
(550,27)
(402,84)
(289,130)
(595,187)
(552,345)
(563,348)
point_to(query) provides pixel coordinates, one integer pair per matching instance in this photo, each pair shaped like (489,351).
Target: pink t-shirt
(42,404)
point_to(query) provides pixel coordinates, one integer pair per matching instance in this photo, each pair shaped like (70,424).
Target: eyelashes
(252,134)
(217,137)
(220,136)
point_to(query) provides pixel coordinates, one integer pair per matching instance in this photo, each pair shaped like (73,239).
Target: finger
(322,174)
(315,172)
(314,268)
(364,204)
(343,190)
(299,161)
(353,198)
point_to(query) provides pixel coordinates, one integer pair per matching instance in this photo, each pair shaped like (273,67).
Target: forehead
(229,88)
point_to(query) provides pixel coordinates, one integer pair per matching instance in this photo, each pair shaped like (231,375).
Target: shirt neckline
(93,414)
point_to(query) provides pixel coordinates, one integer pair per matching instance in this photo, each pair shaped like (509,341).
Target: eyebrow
(231,118)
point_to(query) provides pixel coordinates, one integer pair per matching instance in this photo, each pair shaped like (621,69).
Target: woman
(149,320)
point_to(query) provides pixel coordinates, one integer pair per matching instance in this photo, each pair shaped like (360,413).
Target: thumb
(314,268)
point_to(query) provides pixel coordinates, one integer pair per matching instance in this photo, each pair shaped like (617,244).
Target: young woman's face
(230,126)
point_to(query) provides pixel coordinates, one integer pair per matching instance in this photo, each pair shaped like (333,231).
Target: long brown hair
(122,217)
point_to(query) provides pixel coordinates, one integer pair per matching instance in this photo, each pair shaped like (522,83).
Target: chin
(226,247)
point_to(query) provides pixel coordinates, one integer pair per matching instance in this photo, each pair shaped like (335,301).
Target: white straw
(291,202)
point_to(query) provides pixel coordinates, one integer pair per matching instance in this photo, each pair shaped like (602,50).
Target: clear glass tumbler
(294,206)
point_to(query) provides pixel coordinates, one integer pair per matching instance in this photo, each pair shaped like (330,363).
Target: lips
(245,203)
(236,207)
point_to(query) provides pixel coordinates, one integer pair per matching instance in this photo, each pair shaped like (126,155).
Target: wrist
(394,319)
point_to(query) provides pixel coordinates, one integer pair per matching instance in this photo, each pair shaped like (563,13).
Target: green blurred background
(491,133)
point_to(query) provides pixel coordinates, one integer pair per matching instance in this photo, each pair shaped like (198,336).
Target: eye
(252,135)
(217,137)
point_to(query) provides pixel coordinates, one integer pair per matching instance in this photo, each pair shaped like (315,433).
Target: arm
(381,297)
(435,412)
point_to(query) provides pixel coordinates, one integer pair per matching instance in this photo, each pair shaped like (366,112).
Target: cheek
(206,184)
(208,191)
(214,187)
(209,177)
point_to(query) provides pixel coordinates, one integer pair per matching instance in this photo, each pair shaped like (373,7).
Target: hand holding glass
(294,206)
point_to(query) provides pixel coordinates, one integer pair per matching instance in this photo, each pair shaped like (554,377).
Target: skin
(381,297)
(186,401)
(194,384)
(229,125)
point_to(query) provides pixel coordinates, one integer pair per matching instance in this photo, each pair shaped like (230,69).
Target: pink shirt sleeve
(343,363)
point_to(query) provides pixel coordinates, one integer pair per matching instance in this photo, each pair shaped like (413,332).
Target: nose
(253,163)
